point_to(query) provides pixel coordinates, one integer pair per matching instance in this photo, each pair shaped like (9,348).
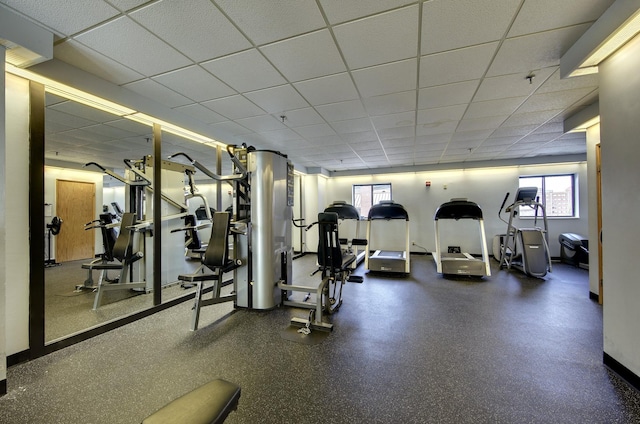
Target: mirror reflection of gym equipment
(524,248)
(387,260)
(461,263)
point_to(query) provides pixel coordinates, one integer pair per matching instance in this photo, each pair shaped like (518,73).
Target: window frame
(542,191)
(371,190)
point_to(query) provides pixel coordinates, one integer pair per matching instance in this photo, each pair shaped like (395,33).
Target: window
(555,192)
(367,195)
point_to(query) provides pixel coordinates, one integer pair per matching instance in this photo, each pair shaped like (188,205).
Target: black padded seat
(208,404)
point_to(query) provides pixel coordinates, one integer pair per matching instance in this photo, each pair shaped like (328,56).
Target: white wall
(487,187)
(3,207)
(16,168)
(51,174)
(619,132)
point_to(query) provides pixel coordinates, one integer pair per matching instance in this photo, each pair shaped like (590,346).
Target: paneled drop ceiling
(335,84)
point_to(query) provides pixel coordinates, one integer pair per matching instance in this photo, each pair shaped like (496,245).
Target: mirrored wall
(88,156)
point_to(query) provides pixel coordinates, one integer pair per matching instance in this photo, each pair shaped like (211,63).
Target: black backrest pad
(216,253)
(122,247)
(329,253)
(458,209)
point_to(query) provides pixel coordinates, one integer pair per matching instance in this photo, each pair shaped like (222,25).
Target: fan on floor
(53,229)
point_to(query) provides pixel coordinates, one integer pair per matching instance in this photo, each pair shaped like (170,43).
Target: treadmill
(388,260)
(461,263)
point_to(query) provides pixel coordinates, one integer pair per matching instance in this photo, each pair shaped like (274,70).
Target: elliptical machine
(526,249)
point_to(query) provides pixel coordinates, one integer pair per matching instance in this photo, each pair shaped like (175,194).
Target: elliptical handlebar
(504,202)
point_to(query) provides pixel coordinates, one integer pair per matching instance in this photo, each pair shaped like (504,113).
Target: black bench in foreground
(208,404)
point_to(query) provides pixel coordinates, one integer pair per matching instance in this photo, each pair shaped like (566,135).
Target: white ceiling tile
(195,83)
(302,117)
(556,84)
(201,113)
(268,21)
(391,103)
(317,130)
(447,127)
(174,22)
(261,123)
(424,141)
(553,100)
(512,85)
(489,108)
(88,60)
(387,79)
(277,99)
(513,131)
(245,71)
(148,55)
(350,109)
(360,137)
(542,15)
(394,35)
(331,89)
(500,141)
(366,146)
(307,56)
(394,143)
(158,92)
(339,11)
(456,65)
(234,107)
(446,95)
(280,135)
(536,51)
(371,153)
(451,24)
(352,126)
(229,128)
(530,118)
(492,122)
(471,135)
(397,132)
(394,120)
(63,16)
(124,5)
(323,141)
(441,114)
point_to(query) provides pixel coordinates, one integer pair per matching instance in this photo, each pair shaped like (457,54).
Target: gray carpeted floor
(420,349)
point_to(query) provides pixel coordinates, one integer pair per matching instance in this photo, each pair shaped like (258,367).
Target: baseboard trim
(3,387)
(18,358)
(621,370)
(594,296)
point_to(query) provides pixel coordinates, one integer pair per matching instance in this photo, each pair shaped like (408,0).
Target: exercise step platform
(208,404)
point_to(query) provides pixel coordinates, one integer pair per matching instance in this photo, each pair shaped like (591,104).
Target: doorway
(75,206)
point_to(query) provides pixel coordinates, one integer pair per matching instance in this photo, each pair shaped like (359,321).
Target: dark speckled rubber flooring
(420,349)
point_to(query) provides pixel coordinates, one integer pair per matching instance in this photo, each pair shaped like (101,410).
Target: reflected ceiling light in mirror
(173,129)
(96,102)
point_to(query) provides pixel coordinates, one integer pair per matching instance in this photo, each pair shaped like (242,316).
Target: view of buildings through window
(367,195)
(555,192)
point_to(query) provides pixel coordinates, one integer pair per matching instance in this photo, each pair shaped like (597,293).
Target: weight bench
(123,252)
(215,259)
(208,404)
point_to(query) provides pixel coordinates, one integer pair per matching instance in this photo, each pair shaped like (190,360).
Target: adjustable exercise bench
(208,404)
(215,259)
(123,252)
